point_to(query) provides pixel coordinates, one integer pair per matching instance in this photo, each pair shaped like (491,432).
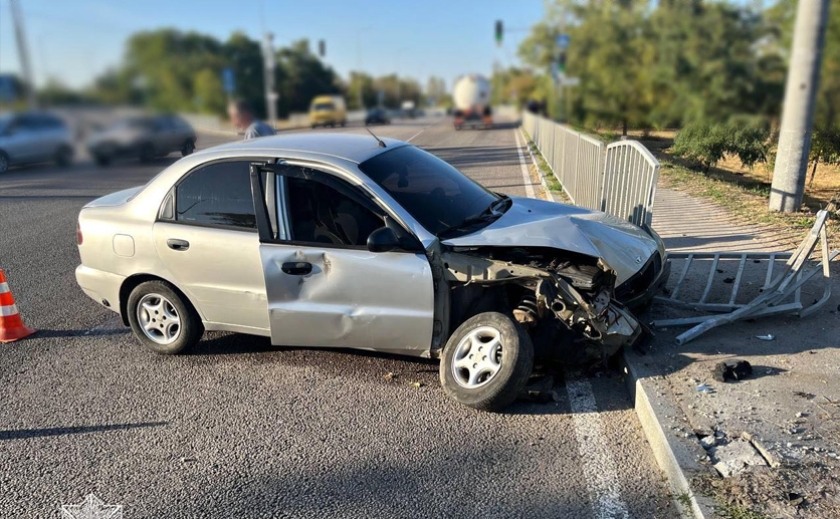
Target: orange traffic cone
(11,325)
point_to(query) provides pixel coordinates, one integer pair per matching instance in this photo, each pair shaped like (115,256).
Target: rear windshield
(436,194)
(323,106)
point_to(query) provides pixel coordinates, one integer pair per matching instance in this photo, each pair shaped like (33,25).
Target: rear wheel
(147,152)
(102,159)
(486,362)
(161,319)
(64,156)
(188,148)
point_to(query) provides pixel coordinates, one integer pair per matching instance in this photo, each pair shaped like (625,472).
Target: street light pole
(270,65)
(23,54)
(803,78)
(397,73)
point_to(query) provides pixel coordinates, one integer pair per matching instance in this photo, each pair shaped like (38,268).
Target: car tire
(64,156)
(188,148)
(493,381)
(147,152)
(4,162)
(162,319)
(102,159)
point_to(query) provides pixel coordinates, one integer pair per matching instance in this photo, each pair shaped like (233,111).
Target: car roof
(350,147)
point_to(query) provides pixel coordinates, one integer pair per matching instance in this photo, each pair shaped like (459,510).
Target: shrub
(706,142)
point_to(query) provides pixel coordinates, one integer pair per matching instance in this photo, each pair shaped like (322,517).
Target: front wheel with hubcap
(161,319)
(486,362)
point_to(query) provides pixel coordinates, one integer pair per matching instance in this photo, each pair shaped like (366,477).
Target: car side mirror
(383,239)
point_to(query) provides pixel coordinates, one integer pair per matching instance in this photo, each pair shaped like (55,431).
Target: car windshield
(324,107)
(444,200)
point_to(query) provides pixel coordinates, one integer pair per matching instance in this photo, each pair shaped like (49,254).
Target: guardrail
(619,178)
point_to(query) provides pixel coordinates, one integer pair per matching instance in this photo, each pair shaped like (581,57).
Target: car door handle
(176,244)
(297,268)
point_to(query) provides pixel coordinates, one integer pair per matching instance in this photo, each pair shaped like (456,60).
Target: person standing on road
(243,119)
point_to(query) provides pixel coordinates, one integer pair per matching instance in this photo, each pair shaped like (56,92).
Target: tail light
(79,237)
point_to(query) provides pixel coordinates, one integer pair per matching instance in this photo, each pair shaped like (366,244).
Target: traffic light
(322,48)
(500,32)
(561,62)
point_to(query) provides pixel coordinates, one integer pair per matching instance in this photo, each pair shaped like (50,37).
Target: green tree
(208,95)
(302,76)
(244,56)
(610,52)
(360,86)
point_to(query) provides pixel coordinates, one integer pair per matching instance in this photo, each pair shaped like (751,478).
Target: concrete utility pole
(270,93)
(23,55)
(798,113)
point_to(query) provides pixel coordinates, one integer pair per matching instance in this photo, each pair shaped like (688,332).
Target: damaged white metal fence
(619,178)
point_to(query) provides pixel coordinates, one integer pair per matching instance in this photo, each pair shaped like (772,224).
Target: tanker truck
(471,100)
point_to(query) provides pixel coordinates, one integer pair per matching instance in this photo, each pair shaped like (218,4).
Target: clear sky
(76,40)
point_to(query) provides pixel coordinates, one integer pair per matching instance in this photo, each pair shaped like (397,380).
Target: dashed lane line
(597,462)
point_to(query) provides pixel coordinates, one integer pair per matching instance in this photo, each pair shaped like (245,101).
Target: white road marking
(594,453)
(526,177)
(415,135)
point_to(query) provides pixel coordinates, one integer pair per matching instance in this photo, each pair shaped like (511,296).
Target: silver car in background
(321,240)
(34,137)
(142,137)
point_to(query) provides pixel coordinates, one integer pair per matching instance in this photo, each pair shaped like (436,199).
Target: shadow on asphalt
(19,434)
(386,369)
(42,333)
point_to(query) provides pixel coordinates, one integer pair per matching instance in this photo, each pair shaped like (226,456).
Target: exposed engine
(575,292)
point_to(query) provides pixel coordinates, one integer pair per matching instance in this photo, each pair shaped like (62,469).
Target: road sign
(570,81)
(562,41)
(228,80)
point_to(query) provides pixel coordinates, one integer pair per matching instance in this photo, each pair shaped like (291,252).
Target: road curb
(543,181)
(677,456)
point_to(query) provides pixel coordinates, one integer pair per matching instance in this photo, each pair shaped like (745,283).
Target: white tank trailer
(471,100)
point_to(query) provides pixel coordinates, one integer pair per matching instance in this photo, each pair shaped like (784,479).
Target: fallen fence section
(780,283)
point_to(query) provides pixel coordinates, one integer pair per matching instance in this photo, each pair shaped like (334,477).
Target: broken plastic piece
(705,388)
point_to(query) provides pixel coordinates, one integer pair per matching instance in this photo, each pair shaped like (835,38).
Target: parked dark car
(377,116)
(143,137)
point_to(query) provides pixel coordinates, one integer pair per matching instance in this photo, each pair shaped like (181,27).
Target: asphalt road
(242,429)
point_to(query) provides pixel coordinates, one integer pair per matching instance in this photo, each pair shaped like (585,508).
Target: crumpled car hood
(538,223)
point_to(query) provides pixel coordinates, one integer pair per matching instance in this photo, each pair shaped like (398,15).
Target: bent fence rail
(619,178)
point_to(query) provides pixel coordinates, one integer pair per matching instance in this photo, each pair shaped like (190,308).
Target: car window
(217,195)
(435,193)
(320,213)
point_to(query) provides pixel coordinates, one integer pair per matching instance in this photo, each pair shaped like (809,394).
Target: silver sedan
(320,240)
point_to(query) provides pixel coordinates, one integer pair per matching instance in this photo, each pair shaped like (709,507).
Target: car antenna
(380,141)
